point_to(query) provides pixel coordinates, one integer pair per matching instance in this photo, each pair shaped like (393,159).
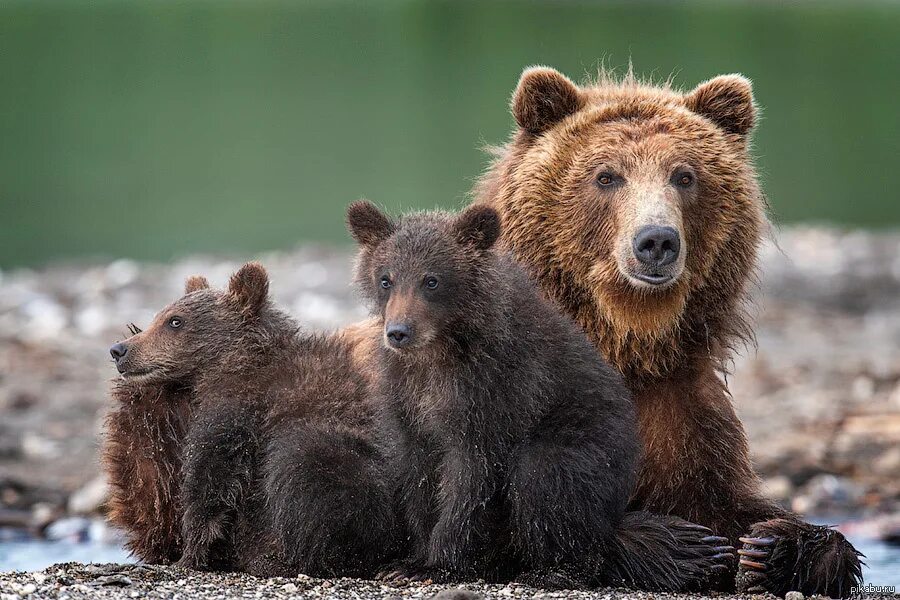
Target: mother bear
(638,209)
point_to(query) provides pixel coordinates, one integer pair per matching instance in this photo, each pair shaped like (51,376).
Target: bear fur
(512,447)
(279,471)
(588,169)
(141,456)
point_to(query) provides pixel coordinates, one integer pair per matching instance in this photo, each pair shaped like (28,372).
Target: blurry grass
(151,129)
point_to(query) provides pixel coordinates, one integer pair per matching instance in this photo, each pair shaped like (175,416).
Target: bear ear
(194,283)
(478,226)
(543,97)
(368,225)
(249,287)
(727,101)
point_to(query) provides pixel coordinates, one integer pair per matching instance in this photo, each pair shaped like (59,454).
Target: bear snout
(398,335)
(118,352)
(656,247)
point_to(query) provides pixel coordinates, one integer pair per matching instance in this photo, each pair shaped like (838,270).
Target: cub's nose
(118,351)
(398,335)
(656,246)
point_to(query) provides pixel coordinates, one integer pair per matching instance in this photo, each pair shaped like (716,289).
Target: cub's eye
(175,322)
(386,282)
(606,179)
(684,179)
(431,283)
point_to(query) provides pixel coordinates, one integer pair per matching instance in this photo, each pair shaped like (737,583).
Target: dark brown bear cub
(280,474)
(513,448)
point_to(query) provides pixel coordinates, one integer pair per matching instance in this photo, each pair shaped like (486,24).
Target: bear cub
(512,447)
(279,472)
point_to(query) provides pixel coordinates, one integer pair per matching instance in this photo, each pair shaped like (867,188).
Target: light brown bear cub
(276,468)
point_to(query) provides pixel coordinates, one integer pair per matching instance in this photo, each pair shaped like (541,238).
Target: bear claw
(760,541)
(753,564)
(714,539)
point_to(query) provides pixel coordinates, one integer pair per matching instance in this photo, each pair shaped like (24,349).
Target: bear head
(195,333)
(637,208)
(427,276)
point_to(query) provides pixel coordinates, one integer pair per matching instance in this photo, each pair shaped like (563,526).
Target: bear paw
(784,555)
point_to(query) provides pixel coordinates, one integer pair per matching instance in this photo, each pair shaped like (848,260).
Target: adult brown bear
(638,209)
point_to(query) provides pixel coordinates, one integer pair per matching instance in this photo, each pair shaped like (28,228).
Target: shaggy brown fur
(141,456)
(142,459)
(511,448)
(272,464)
(588,170)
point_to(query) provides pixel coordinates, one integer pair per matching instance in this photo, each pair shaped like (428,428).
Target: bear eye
(606,179)
(386,282)
(684,179)
(431,283)
(175,322)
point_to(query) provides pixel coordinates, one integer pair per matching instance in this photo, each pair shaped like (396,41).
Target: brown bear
(512,448)
(639,211)
(141,455)
(279,473)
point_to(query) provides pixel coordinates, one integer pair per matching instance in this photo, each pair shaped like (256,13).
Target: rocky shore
(75,581)
(820,397)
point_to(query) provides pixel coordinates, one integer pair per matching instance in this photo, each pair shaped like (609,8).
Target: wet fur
(261,409)
(512,447)
(671,345)
(141,456)
(284,430)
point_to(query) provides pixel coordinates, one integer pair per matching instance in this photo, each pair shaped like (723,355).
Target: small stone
(863,388)
(70,528)
(36,446)
(289,588)
(117,580)
(29,588)
(39,578)
(458,594)
(794,596)
(778,487)
(122,272)
(89,498)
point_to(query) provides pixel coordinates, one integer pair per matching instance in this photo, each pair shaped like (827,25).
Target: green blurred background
(155,129)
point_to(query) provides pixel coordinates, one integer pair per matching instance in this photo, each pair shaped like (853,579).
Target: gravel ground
(74,581)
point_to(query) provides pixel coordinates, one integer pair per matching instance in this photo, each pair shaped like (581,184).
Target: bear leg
(219,463)
(328,504)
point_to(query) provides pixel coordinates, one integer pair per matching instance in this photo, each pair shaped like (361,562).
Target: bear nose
(118,351)
(398,335)
(656,246)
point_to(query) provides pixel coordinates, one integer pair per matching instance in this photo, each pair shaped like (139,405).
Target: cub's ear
(727,101)
(368,225)
(194,283)
(249,287)
(543,97)
(478,226)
